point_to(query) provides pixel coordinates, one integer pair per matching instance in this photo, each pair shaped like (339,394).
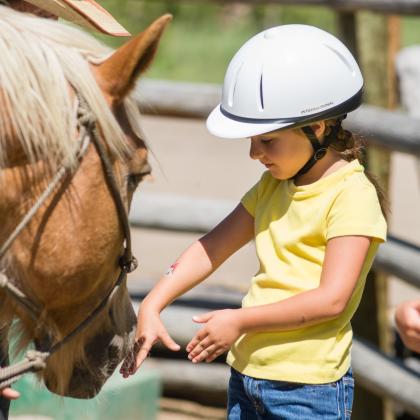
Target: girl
(316,220)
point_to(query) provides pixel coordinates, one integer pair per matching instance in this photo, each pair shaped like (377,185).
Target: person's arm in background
(192,267)
(5,393)
(407,318)
(9,393)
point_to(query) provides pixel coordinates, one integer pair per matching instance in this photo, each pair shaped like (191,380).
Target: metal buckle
(320,153)
(128,266)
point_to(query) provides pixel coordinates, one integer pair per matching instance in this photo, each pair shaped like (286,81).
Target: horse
(67,109)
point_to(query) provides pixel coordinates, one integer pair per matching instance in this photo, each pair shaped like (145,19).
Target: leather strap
(320,150)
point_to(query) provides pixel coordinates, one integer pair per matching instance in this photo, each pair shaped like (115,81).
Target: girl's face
(282,152)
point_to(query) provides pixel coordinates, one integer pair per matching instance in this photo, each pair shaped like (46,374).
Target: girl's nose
(255,151)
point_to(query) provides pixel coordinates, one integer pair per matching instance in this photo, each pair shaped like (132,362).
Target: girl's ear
(118,74)
(319,129)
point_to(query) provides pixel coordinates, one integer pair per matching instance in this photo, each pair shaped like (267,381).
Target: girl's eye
(267,141)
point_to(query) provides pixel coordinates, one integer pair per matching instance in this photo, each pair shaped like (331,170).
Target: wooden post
(346,22)
(378,41)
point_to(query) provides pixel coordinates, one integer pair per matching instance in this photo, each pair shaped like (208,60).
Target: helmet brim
(221,125)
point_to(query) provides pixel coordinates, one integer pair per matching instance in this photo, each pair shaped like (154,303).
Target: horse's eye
(134,179)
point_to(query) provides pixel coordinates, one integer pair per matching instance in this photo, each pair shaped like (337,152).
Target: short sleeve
(356,211)
(250,199)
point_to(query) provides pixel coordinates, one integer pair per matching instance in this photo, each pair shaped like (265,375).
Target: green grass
(410,31)
(203,36)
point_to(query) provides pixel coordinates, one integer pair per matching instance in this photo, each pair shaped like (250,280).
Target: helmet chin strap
(320,150)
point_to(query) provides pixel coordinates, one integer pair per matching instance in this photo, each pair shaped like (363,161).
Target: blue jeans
(255,399)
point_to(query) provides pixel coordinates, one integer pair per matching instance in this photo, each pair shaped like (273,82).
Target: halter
(35,360)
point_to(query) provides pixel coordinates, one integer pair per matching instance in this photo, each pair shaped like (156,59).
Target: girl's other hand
(222,329)
(407,317)
(150,330)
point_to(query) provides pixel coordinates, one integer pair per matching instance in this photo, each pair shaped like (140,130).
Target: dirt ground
(171,409)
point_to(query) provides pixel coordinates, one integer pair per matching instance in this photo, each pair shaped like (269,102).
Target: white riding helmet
(284,77)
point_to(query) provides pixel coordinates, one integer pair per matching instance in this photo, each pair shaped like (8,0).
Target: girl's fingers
(205,353)
(203,317)
(128,366)
(135,358)
(193,343)
(143,352)
(167,340)
(214,355)
(199,347)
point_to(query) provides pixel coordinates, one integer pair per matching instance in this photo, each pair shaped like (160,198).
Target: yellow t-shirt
(292,227)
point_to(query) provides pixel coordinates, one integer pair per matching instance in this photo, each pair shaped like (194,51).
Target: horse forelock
(42,62)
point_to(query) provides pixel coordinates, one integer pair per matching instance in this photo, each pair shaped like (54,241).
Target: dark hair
(350,147)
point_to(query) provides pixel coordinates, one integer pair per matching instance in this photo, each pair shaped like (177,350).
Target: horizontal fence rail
(401,259)
(401,7)
(392,130)
(188,214)
(179,213)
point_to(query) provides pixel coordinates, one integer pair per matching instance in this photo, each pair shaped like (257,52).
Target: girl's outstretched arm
(191,268)
(342,266)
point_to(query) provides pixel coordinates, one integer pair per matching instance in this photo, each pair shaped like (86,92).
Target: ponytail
(351,147)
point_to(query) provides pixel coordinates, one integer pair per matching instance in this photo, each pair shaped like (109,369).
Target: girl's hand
(222,329)
(407,318)
(150,329)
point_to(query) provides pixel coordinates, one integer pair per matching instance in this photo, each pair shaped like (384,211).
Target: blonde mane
(40,60)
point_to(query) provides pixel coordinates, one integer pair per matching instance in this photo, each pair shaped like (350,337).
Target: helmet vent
(342,58)
(233,88)
(261,93)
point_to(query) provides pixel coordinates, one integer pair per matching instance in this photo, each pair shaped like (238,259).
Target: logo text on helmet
(305,111)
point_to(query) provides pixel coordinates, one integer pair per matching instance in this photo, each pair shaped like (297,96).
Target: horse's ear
(118,74)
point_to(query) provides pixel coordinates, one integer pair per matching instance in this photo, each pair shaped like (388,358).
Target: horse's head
(66,260)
